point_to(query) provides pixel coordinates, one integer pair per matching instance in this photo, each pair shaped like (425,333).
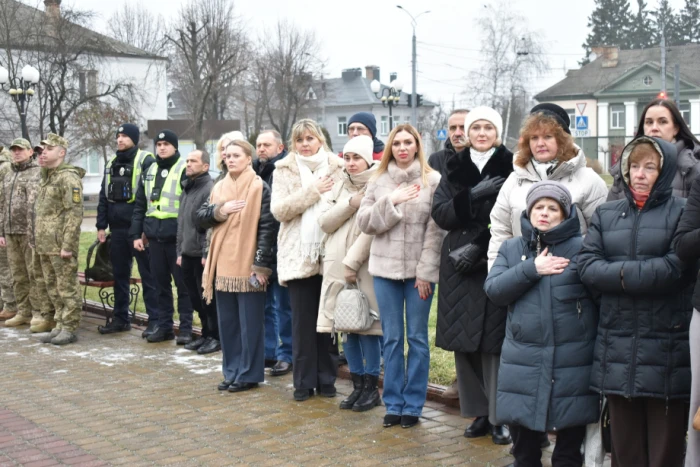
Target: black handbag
(468,258)
(605,435)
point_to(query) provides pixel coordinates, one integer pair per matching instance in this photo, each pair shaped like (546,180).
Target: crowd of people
(557,296)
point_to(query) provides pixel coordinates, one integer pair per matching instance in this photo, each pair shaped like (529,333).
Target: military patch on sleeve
(76,195)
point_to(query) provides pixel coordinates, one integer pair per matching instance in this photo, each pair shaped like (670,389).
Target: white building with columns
(606,97)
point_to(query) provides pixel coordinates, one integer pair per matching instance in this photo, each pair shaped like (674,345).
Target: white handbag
(352,313)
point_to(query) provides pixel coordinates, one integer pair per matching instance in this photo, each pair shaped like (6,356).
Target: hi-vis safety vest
(124,187)
(168,204)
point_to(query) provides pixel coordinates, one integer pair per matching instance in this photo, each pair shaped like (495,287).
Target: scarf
(481,158)
(544,169)
(640,199)
(234,241)
(312,168)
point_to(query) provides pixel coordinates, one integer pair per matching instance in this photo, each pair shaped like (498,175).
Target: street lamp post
(414,97)
(390,96)
(21,89)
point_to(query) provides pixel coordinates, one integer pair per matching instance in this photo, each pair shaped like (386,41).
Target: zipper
(578,308)
(539,245)
(12,192)
(633,365)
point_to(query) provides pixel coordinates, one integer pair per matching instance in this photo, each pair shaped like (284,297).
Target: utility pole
(677,84)
(414,94)
(663,55)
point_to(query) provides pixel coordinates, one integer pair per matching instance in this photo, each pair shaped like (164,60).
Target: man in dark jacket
(364,123)
(642,356)
(456,141)
(278,311)
(155,223)
(114,210)
(192,248)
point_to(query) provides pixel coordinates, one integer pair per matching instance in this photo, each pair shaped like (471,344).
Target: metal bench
(107,296)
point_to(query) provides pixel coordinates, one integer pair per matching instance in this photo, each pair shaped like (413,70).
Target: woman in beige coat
(346,251)
(303,180)
(404,260)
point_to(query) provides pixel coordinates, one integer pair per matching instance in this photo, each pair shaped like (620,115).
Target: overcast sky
(356,33)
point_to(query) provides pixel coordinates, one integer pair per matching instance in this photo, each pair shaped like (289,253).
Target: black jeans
(192,270)
(164,268)
(122,253)
(567,450)
(312,361)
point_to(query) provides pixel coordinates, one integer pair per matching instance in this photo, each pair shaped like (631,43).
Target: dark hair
(204,156)
(684,132)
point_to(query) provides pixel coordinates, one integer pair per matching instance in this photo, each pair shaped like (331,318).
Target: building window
(90,161)
(384,125)
(397,121)
(407,120)
(572,118)
(342,126)
(92,82)
(647,80)
(617,117)
(684,108)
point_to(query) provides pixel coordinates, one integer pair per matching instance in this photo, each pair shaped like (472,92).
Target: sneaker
(113,327)
(64,337)
(18,320)
(150,329)
(46,338)
(5,314)
(42,326)
(185,337)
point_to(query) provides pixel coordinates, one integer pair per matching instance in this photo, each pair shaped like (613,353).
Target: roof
(91,41)
(341,92)
(593,77)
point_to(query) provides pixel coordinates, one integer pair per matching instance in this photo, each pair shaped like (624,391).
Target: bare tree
(211,52)
(97,122)
(513,55)
(134,24)
(430,122)
(284,73)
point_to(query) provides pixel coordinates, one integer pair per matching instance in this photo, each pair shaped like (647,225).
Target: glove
(465,259)
(350,275)
(487,187)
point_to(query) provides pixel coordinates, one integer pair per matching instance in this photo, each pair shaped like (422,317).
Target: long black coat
(642,345)
(545,372)
(688,236)
(467,320)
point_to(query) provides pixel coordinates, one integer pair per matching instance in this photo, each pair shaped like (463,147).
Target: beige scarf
(234,241)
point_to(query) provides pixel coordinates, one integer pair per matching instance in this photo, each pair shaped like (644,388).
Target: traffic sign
(581,122)
(442,135)
(581,107)
(581,133)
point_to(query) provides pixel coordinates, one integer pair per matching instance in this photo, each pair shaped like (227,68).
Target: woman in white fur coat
(303,180)
(404,260)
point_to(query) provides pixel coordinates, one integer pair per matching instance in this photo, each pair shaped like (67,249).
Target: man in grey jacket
(191,248)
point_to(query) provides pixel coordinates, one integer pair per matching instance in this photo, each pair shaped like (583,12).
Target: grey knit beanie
(549,189)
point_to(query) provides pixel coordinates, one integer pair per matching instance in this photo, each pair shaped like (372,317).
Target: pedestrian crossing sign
(442,135)
(581,122)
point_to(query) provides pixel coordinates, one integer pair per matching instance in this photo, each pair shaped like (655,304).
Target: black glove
(467,258)
(487,187)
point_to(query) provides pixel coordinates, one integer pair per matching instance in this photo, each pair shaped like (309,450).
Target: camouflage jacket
(59,210)
(18,187)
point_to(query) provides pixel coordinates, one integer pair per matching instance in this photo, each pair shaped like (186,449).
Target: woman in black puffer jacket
(642,361)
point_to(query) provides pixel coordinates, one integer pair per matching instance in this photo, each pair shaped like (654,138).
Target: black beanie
(367,119)
(167,135)
(556,112)
(130,130)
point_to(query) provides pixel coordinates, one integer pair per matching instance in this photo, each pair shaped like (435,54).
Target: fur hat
(488,114)
(552,190)
(361,145)
(556,112)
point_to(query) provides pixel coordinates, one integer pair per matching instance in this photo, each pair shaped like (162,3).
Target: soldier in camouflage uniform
(58,215)
(8,305)
(18,188)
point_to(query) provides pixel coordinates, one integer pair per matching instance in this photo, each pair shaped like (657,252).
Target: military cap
(21,143)
(54,140)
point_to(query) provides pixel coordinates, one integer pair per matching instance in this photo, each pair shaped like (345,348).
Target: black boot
(357,383)
(370,395)
(150,329)
(500,435)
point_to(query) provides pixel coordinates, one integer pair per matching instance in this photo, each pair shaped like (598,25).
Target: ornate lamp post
(389,96)
(21,89)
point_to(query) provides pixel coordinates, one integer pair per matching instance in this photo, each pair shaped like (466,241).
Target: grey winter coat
(628,255)
(191,239)
(543,380)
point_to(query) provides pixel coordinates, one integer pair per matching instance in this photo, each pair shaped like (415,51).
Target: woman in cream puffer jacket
(303,181)
(404,260)
(343,236)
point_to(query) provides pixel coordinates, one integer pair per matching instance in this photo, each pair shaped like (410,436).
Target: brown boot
(42,325)
(18,320)
(5,314)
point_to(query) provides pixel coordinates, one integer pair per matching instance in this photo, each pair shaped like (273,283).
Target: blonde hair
(221,145)
(306,124)
(388,155)
(243,144)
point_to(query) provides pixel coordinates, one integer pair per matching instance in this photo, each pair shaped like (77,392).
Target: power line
(579,54)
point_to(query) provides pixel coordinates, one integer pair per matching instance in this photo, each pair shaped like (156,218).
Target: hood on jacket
(662,189)
(569,227)
(79,171)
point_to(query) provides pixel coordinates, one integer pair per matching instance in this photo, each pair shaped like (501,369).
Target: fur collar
(461,171)
(399,175)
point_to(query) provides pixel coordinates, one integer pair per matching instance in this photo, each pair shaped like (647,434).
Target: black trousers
(567,450)
(164,268)
(122,254)
(647,432)
(312,361)
(192,270)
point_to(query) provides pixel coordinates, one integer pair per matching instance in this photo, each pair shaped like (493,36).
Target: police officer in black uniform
(115,209)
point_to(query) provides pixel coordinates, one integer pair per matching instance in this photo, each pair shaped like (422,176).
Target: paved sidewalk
(116,400)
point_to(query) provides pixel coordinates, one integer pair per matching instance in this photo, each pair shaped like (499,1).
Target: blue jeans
(363,354)
(405,380)
(278,323)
